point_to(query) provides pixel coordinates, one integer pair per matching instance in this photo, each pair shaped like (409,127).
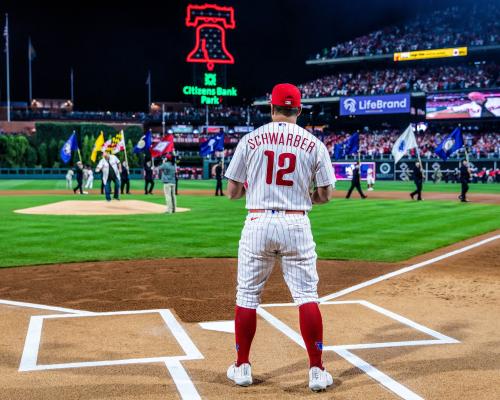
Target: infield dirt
(458,296)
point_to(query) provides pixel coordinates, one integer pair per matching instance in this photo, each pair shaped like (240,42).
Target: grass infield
(376,230)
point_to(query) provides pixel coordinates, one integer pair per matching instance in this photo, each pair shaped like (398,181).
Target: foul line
(406,269)
(43,307)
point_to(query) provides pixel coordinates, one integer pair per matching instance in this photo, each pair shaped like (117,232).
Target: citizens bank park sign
(210,22)
(369,105)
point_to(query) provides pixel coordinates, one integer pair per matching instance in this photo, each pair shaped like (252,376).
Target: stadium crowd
(378,143)
(392,80)
(476,25)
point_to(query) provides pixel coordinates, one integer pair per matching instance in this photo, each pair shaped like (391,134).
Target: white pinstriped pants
(270,235)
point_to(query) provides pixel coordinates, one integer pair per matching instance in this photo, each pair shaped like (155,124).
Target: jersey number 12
(280,173)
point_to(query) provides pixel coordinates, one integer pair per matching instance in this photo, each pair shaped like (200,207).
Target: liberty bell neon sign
(211,22)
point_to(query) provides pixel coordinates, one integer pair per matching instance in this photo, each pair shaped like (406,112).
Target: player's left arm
(324,178)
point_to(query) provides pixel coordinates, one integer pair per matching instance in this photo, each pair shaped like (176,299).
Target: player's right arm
(235,190)
(322,195)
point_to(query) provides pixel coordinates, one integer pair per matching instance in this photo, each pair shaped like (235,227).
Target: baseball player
(274,166)
(370,178)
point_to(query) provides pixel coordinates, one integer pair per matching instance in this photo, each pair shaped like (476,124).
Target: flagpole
(72,87)
(149,89)
(125,147)
(163,118)
(7,59)
(29,70)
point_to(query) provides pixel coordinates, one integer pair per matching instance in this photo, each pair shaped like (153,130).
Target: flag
(31,51)
(118,143)
(6,32)
(404,143)
(213,144)
(347,147)
(165,145)
(68,147)
(148,80)
(144,143)
(114,145)
(97,146)
(450,144)
(106,146)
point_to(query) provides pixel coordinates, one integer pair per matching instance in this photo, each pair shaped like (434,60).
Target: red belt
(285,211)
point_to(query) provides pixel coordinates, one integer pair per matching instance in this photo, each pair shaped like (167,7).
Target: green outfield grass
(382,230)
(52,184)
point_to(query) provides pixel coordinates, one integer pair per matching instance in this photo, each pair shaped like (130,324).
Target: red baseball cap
(285,95)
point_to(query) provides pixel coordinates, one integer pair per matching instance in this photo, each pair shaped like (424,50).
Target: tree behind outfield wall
(21,145)
(44,147)
(7,151)
(15,152)
(43,151)
(133,159)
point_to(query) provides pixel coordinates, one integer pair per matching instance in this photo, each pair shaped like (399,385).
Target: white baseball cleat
(241,375)
(319,379)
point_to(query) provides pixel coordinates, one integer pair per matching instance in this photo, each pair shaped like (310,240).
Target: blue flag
(213,144)
(350,146)
(143,144)
(68,147)
(450,144)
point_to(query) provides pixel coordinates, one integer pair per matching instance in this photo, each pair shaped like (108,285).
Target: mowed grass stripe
(377,230)
(138,184)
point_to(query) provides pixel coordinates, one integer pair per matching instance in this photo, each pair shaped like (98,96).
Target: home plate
(99,207)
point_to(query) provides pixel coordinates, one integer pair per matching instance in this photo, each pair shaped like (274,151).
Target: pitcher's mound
(100,207)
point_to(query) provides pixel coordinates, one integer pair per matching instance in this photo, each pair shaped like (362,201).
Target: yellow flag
(97,146)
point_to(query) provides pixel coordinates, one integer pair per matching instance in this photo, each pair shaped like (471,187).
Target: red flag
(165,145)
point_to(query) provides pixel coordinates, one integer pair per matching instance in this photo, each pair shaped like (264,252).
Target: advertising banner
(343,170)
(372,105)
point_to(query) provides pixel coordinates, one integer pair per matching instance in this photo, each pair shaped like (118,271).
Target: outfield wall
(385,170)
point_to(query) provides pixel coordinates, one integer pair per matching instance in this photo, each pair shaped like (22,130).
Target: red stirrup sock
(245,324)
(311,327)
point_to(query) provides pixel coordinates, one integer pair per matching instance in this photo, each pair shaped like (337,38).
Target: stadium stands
(377,143)
(392,80)
(473,26)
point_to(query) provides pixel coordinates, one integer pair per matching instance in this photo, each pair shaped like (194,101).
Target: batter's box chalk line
(183,382)
(344,351)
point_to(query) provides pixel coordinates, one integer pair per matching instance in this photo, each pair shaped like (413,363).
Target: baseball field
(133,303)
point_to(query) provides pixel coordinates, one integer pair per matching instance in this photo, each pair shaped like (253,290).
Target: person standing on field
(418,178)
(111,168)
(90,178)
(79,178)
(167,169)
(69,179)
(217,171)
(149,182)
(274,166)
(356,182)
(370,178)
(125,179)
(464,181)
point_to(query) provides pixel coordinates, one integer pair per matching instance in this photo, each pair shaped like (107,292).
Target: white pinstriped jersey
(279,161)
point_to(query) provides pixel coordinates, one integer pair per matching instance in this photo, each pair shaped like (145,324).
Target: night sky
(112,48)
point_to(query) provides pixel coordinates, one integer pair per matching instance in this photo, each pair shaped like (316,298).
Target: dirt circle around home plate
(98,207)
